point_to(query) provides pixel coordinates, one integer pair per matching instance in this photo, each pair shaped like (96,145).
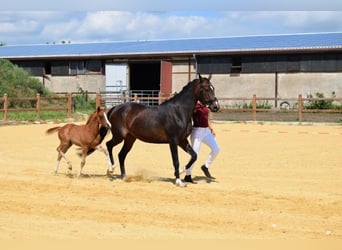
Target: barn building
(268,66)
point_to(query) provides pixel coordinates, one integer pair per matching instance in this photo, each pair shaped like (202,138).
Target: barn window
(60,68)
(77,68)
(339,62)
(281,63)
(214,65)
(293,63)
(47,68)
(252,64)
(323,63)
(33,68)
(270,64)
(236,65)
(305,63)
(94,66)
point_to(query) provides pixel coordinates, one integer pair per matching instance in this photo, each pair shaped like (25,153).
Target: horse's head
(102,118)
(207,94)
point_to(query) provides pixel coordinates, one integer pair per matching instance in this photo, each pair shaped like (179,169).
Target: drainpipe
(194,57)
(276,91)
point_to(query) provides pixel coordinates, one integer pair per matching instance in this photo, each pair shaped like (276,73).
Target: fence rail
(38,104)
(102,98)
(299,110)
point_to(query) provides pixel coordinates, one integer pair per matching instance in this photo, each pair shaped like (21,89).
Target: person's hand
(212,131)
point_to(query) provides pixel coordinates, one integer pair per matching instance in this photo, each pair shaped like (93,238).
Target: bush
(82,102)
(16,82)
(259,105)
(322,104)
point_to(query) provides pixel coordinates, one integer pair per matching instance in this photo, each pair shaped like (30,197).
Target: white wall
(91,83)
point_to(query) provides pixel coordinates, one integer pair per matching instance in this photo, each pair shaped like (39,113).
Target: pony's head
(102,118)
(207,94)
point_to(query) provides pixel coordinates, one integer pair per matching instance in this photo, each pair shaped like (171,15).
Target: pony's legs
(62,149)
(105,151)
(59,157)
(187,148)
(67,160)
(128,143)
(82,165)
(83,161)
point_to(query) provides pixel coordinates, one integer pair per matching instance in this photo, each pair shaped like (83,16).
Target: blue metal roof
(319,41)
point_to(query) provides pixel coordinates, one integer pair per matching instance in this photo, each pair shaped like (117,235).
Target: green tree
(16,82)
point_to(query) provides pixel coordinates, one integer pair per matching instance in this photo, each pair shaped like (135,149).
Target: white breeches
(203,135)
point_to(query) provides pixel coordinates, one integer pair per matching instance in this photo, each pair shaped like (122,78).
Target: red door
(165,78)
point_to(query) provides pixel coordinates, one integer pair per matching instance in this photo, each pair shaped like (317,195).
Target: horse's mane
(177,95)
(91,117)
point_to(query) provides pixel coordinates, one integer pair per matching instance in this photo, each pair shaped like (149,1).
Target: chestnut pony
(86,136)
(169,122)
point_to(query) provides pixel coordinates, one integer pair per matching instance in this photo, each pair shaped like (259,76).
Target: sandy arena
(273,182)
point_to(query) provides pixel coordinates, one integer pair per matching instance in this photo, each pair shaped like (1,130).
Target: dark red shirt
(200,116)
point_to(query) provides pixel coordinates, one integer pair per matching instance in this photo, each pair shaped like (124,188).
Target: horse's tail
(53,130)
(103,132)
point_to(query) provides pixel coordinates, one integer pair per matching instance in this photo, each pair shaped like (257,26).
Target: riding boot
(188,178)
(206,172)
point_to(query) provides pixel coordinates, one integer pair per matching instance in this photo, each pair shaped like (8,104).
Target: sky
(77,21)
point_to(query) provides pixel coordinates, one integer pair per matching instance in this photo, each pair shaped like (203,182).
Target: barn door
(165,78)
(116,82)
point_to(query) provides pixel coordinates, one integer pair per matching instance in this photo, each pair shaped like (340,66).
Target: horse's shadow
(195,179)
(203,178)
(135,178)
(93,176)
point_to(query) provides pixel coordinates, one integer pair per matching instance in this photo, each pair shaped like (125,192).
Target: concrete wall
(91,83)
(291,85)
(182,74)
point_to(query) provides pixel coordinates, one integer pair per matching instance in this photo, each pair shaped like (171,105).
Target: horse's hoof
(179,183)
(109,172)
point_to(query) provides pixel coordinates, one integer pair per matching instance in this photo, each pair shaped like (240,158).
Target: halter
(208,102)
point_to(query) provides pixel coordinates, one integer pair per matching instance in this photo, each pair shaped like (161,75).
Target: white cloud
(139,26)
(44,26)
(115,25)
(311,19)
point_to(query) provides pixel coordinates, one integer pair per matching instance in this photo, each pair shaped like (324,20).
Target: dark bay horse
(169,122)
(86,136)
